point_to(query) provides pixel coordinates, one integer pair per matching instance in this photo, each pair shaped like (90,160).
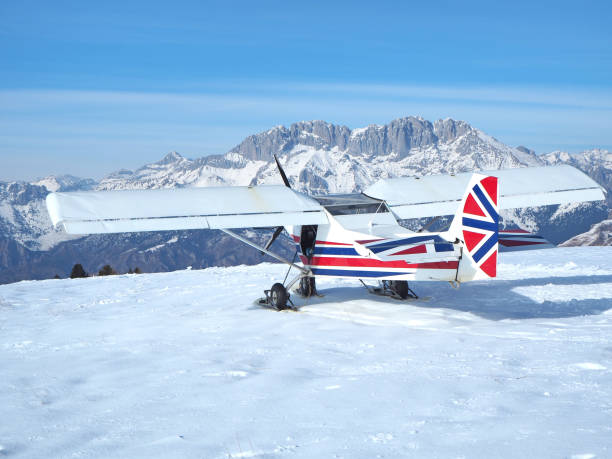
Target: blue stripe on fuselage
(341,272)
(444,247)
(388,245)
(335,251)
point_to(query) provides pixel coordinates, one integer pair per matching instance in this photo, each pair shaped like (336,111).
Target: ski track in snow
(184,364)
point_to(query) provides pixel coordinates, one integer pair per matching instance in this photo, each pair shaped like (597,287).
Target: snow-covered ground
(183,365)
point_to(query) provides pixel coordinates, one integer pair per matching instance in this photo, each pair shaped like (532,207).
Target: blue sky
(87,88)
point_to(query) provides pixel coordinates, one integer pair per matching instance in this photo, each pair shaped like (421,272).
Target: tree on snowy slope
(107,270)
(77,271)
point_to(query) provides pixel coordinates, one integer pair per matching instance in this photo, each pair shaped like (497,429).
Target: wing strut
(264,250)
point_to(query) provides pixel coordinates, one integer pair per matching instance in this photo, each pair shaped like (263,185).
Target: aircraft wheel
(278,296)
(400,288)
(307,286)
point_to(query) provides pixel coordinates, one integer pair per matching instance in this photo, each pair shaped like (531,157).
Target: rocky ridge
(599,234)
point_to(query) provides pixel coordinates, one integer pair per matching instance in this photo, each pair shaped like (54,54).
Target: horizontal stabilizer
(183,208)
(412,197)
(516,240)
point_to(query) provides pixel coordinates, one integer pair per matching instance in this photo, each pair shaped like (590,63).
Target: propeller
(282,172)
(279,229)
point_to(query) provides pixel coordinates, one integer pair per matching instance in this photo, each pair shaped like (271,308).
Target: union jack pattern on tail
(480,224)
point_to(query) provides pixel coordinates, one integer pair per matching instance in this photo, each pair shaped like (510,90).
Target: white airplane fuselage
(375,246)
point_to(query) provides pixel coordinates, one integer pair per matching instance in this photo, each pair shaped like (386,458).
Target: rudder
(476,224)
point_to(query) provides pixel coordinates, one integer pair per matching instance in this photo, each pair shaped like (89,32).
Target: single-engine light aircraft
(354,235)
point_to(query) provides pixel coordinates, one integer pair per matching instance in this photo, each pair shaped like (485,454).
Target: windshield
(351,204)
(357,209)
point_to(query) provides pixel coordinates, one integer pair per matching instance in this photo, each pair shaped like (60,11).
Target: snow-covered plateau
(183,364)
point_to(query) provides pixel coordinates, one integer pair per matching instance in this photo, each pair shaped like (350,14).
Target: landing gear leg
(401,289)
(307,287)
(394,289)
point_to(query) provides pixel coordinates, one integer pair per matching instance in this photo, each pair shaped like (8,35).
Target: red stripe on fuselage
(367,241)
(418,249)
(369,263)
(332,243)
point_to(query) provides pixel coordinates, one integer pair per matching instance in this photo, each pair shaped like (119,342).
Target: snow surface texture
(183,364)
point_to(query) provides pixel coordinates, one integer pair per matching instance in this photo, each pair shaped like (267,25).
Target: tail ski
(476,225)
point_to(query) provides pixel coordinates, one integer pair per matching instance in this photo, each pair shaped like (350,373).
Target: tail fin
(476,224)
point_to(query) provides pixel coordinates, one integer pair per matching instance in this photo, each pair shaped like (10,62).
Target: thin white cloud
(236,94)
(554,96)
(145,125)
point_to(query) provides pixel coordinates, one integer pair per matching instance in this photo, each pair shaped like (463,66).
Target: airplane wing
(183,208)
(415,197)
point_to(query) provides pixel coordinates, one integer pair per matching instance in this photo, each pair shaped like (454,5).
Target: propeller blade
(282,173)
(277,232)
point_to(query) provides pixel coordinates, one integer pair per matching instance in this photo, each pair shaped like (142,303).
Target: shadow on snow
(491,300)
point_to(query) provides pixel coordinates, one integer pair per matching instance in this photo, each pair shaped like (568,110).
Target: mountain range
(318,157)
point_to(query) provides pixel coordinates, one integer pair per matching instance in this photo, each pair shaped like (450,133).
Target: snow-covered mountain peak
(65,183)
(164,173)
(558,156)
(363,131)
(524,149)
(323,157)
(171,158)
(449,129)
(50,182)
(601,156)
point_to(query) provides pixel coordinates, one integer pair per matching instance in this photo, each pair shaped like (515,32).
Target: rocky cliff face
(599,234)
(321,157)
(318,157)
